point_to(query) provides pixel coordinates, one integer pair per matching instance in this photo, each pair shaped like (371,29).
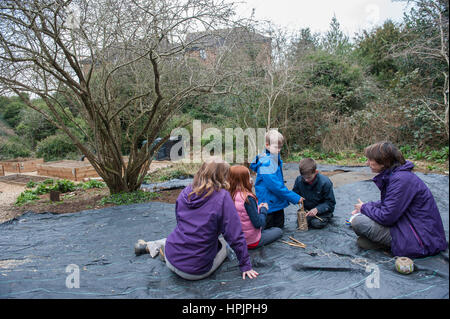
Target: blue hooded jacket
(408,208)
(269,184)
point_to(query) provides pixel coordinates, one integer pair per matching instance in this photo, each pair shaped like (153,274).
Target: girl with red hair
(253,217)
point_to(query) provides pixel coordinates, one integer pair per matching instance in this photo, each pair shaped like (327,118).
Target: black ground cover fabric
(35,250)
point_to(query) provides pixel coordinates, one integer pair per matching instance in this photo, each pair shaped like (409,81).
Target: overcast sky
(353,15)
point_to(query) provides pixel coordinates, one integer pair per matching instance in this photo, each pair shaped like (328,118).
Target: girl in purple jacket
(204,210)
(406,219)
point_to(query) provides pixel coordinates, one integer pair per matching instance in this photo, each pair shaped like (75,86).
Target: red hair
(239,179)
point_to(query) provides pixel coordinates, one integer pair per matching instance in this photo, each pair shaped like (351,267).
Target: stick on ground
(299,242)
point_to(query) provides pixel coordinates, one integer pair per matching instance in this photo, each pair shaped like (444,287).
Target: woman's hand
(263,205)
(250,273)
(358,206)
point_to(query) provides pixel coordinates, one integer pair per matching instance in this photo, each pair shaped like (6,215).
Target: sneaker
(367,244)
(231,255)
(140,247)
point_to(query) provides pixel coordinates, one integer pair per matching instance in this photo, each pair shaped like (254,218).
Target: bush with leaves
(57,147)
(13,147)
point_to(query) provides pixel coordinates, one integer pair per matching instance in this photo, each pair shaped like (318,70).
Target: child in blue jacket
(269,184)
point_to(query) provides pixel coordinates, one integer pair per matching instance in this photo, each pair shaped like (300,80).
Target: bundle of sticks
(294,242)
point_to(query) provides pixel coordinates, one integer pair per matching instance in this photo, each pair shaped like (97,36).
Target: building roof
(218,38)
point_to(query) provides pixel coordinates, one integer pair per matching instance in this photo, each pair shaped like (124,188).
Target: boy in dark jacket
(317,191)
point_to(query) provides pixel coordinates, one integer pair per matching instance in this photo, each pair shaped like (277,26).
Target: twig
(299,242)
(293,244)
(318,218)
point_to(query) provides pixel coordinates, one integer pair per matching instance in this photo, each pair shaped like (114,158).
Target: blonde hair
(212,176)
(274,136)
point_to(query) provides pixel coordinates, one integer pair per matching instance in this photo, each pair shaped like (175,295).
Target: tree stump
(54,196)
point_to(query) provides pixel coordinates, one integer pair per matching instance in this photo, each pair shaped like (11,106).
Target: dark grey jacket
(318,195)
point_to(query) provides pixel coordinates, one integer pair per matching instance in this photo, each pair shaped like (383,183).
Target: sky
(353,15)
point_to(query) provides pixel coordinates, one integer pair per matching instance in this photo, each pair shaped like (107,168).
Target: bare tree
(431,48)
(124,64)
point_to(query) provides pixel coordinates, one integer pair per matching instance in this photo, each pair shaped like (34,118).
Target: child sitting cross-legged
(253,217)
(317,191)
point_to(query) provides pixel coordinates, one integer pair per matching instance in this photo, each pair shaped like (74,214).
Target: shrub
(13,148)
(56,147)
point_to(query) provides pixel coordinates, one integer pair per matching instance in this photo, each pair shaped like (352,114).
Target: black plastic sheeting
(35,250)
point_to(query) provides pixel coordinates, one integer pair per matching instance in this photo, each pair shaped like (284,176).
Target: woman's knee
(360,224)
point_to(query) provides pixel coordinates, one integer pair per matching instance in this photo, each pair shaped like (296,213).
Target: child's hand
(263,205)
(312,212)
(300,202)
(355,212)
(251,274)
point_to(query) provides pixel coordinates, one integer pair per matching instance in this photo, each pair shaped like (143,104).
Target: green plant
(135,197)
(362,159)
(64,186)
(26,197)
(13,147)
(42,189)
(91,184)
(48,181)
(56,147)
(331,160)
(31,184)
(172,174)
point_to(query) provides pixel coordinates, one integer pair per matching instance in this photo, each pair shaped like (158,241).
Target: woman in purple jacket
(204,210)
(406,219)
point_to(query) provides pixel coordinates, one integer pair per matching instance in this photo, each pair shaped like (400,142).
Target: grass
(135,197)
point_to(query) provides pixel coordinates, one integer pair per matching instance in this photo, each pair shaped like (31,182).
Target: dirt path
(8,196)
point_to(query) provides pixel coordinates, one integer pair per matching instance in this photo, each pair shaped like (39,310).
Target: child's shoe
(140,247)
(367,244)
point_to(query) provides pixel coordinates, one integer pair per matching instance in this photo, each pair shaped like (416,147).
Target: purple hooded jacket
(193,244)
(409,209)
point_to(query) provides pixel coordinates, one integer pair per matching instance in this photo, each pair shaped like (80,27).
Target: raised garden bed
(68,169)
(19,165)
(20,179)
